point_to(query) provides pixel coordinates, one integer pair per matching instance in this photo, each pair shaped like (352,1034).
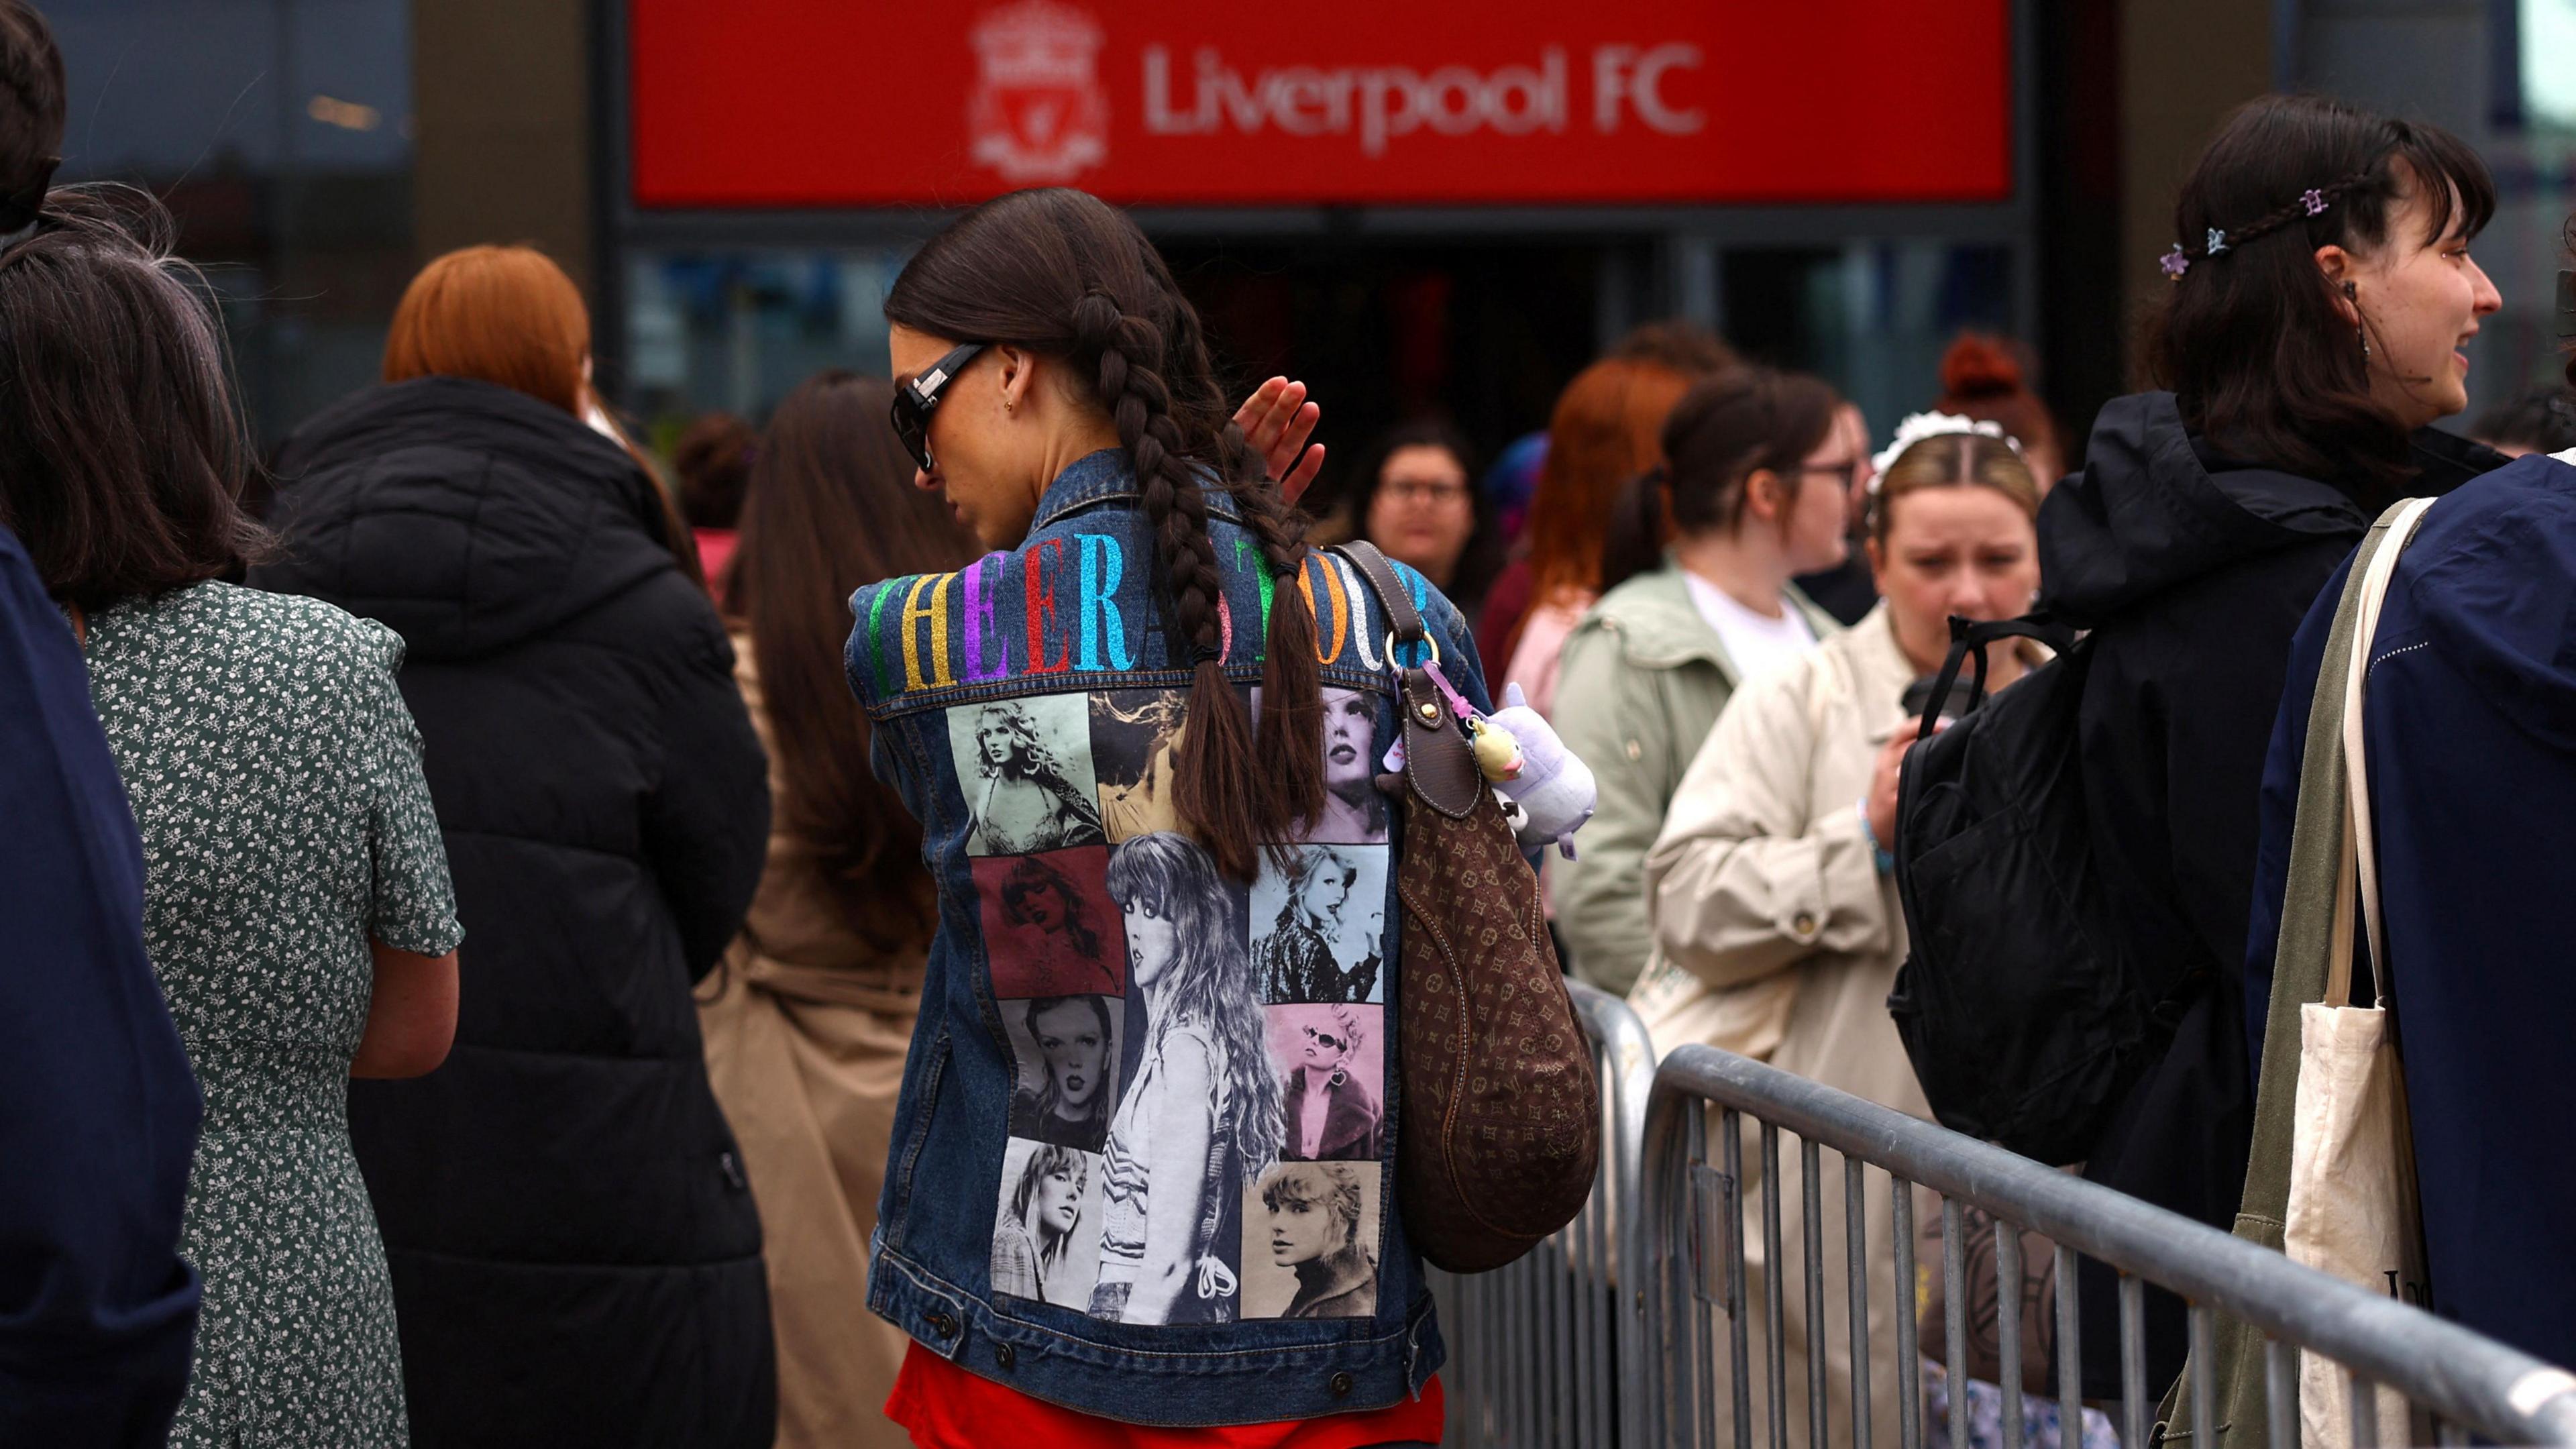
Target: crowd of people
(891,936)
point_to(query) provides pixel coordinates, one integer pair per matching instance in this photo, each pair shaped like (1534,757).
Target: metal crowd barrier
(2467,1382)
(1539,1350)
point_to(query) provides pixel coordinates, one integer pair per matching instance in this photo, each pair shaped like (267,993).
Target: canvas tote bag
(2352,1209)
(2331,1177)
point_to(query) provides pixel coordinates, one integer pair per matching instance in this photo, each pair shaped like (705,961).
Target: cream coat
(1763,884)
(806,1027)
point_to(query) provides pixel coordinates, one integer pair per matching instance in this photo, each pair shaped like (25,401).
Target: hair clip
(2217,242)
(2314,200)
(2174,263)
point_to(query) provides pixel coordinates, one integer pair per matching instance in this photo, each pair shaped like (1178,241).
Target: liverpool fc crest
(1039,113)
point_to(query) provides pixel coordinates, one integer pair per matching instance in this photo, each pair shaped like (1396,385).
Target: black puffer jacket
(2193,570)
(575,1255)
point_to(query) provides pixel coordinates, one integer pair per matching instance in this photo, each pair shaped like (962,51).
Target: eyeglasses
(1336,1043)
(916,400)
(1412,490)
(1844,471)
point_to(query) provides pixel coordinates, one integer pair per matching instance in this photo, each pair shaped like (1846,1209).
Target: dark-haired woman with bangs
(2320,292)
(1055,388)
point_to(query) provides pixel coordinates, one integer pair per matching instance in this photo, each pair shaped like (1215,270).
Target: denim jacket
(1144,1155)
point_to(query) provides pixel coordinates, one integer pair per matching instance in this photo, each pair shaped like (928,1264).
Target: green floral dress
(275,773)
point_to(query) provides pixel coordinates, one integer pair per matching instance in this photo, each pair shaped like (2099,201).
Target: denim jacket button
(1005,1355)
(1340,1385)
(943,1325)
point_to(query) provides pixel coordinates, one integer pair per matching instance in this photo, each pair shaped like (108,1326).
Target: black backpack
(2023,1010)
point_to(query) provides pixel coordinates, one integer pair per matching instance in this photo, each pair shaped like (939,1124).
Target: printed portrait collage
(1198,1122)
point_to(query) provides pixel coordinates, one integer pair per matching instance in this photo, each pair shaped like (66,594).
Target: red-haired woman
(1981,378)
(575,1254)
(1606,431)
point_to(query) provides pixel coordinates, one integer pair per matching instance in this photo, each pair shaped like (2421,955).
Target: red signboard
(799,103)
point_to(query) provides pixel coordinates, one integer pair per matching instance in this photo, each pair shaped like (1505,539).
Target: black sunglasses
(1336,1043)
(916,400)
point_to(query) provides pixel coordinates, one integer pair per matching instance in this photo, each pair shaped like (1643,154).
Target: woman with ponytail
(1753,493)
(1148,594)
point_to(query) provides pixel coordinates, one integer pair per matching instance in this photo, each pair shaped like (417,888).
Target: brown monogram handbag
(1501,1115)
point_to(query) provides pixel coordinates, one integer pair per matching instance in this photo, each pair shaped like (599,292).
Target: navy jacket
(2469,721)
(98,1111)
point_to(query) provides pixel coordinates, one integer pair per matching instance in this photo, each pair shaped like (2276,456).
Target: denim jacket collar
(1106,474)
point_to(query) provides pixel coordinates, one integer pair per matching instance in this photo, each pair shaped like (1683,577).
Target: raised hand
(1277,420)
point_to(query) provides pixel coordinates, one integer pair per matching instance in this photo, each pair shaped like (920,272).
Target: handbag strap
(2359,876)
(1402,619)
(1438,763)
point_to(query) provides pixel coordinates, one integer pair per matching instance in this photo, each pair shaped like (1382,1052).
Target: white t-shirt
(1757,643)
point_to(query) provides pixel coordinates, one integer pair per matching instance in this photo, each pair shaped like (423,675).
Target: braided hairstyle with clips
(2254,340)
(1067,276)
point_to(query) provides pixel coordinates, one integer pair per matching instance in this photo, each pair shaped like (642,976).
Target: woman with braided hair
(1055,389)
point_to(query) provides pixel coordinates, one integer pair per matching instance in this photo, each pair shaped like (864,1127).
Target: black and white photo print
(1201,1117)
(1067,1051)
(1024,766)
(1319,925)
(1046,1228)
(1355,811)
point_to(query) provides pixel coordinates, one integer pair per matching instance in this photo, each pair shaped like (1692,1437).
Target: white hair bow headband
(1919,426)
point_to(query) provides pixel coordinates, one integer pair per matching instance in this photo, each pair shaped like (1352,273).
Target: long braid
(1291,741)
(1289,746)
(1212,788)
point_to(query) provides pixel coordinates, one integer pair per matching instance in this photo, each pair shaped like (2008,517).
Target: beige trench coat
(1763,883)
(806,1026)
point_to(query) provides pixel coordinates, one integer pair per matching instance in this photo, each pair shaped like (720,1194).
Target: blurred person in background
(1849,590)
(296,903)
(1753,492)
(1776,925)
(2542,420)
(574,1246)
(1601,434)
(1982,379)
(2308,360)
(714,459)
(807,1023)
(1606,431)
(1508,485)
(98,1110)
(1415,498)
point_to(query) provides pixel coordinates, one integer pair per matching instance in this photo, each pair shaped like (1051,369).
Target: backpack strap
(1970,637)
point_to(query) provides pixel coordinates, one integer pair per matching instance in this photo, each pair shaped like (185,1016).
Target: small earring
(2364,335)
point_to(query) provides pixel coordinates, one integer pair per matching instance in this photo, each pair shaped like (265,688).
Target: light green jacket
(1642,680)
